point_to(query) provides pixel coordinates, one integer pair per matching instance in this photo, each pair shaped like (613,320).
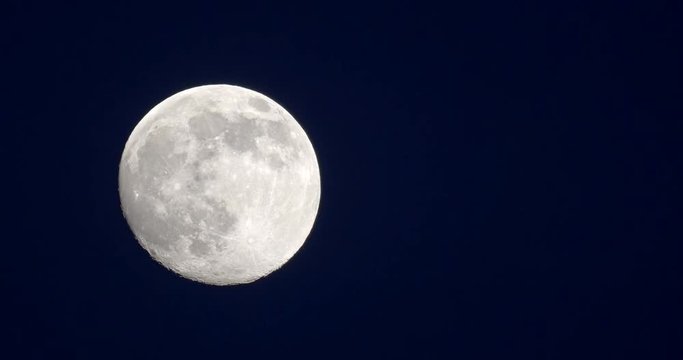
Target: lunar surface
(219,184)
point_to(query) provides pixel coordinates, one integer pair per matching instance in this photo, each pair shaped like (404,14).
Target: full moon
(219,184)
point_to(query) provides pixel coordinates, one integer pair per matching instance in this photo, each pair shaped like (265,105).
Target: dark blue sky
(500,180)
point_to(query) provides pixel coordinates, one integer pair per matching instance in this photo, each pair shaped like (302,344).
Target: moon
(220,184)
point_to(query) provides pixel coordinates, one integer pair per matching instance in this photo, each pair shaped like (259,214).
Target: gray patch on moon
(207,125)
(259,104)
(200,175)
(276,162)
(208,223)
(199,248)
(159,148)
(217,218)
(154,228)
(241,135)
(279,132)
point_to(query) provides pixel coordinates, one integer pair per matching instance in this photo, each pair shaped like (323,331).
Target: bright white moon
(219,184)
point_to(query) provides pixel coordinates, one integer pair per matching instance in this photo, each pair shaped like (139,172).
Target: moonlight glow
(219,184)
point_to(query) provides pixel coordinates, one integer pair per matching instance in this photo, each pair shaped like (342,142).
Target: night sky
(500,179)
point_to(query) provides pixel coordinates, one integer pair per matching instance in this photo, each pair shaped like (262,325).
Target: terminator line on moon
(219,184)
